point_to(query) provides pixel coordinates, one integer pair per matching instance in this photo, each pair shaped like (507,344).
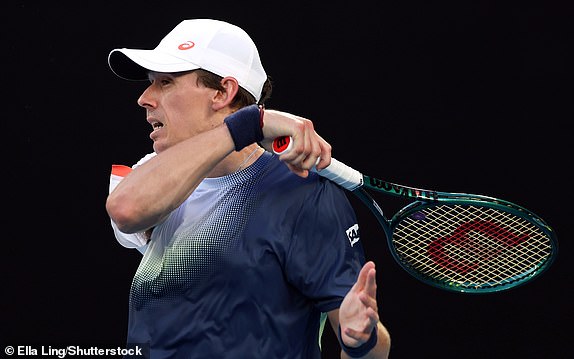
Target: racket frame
(427,198)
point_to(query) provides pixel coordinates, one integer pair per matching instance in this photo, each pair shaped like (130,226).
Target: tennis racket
(454,241)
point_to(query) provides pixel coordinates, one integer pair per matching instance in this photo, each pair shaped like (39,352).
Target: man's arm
(150,192)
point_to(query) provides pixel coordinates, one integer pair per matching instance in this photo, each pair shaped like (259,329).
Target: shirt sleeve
(325,255)
(128,240)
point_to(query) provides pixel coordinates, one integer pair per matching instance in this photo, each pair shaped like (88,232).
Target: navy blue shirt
(245,266)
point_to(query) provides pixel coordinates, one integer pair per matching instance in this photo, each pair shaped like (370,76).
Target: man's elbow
(123,215)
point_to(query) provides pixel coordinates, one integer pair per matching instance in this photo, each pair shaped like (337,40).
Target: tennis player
(245,253)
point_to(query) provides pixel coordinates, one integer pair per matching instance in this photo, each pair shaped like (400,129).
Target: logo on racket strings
(480,253)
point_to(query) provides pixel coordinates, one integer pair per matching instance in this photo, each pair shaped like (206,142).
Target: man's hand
(358,314)
(308,146)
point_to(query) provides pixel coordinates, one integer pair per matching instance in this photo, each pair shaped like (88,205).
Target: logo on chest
(353,234)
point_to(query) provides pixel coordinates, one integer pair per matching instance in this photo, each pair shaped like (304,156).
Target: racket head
(471,244)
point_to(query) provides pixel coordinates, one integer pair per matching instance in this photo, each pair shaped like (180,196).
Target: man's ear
(224,98)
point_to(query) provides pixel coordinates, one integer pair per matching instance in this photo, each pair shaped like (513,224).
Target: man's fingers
(368,301)
(307,152)
(371,283)
(297,170)
(362,281)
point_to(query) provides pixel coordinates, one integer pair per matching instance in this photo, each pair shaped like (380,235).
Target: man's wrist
(245,126)
(362,349)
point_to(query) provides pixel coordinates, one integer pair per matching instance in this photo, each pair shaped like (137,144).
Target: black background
(465,96)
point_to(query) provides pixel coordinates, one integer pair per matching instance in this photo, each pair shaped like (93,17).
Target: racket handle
(338,172)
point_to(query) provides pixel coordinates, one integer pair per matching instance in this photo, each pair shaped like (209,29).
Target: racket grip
(338,172)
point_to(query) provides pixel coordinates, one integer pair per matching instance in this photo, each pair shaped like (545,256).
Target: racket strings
(470,246)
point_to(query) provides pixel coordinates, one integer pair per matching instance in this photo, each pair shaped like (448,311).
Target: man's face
(178,107)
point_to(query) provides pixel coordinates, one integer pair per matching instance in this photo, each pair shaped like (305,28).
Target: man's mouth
(157,125)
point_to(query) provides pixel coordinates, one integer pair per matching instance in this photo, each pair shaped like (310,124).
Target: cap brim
(134,64)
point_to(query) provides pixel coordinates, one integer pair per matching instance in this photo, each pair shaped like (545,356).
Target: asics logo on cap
(186,45)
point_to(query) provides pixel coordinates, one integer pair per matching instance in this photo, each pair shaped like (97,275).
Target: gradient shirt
(245,267)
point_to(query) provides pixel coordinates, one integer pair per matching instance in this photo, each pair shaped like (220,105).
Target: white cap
(212,45)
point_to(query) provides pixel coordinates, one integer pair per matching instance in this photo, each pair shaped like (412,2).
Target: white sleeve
(128,240)
(144,159)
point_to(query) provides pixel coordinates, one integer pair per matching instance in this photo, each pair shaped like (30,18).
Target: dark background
(466,96)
